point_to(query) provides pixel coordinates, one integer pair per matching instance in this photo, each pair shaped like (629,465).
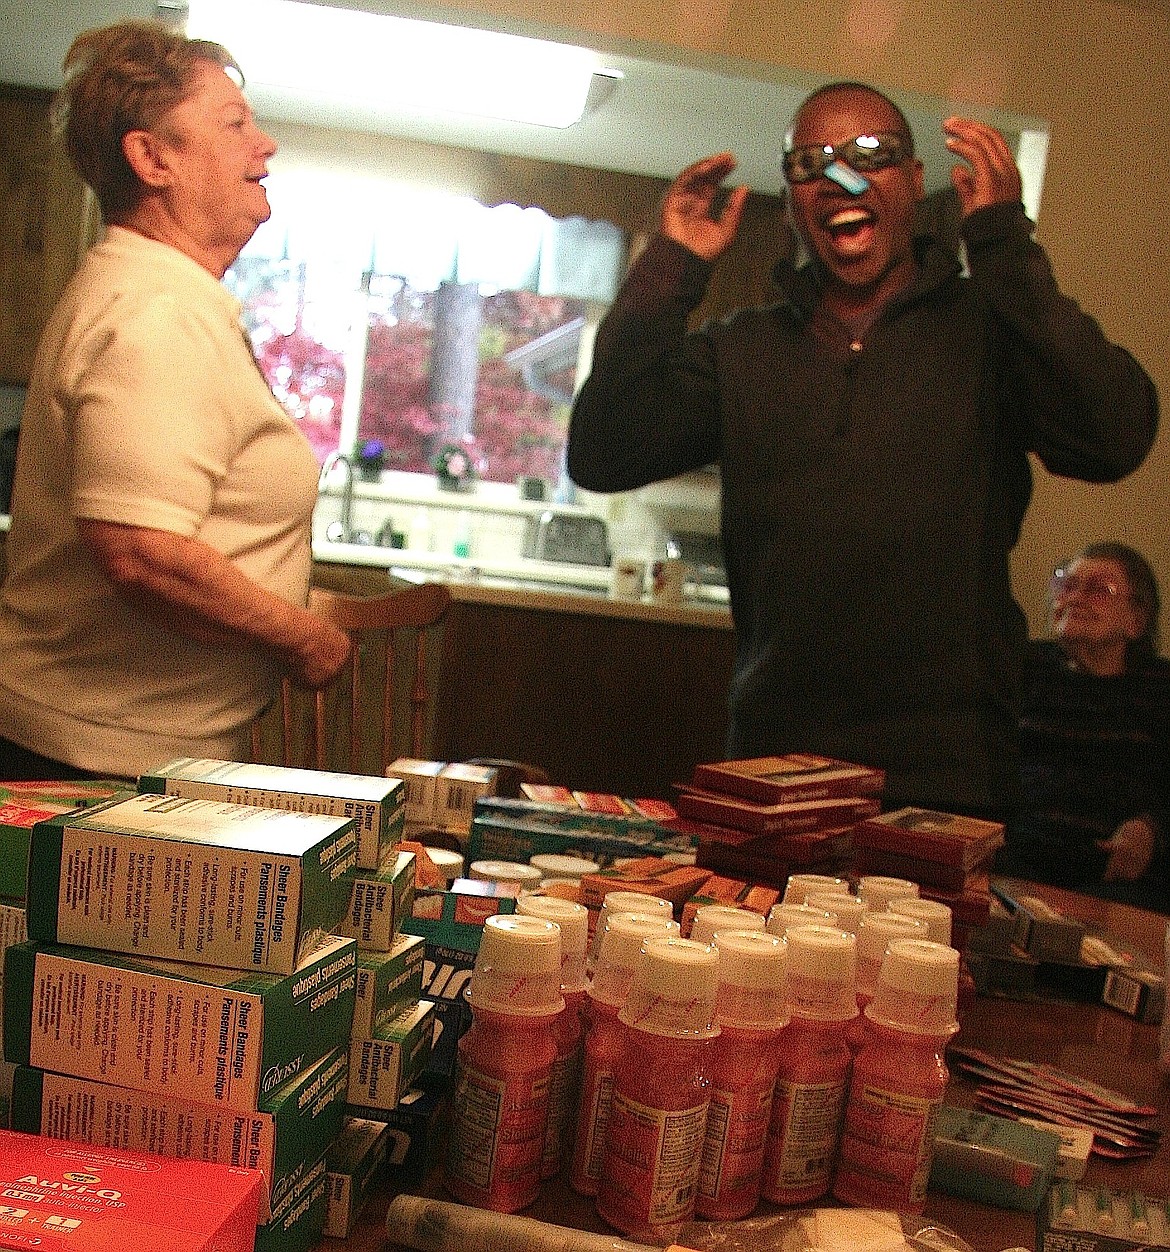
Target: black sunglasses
(864,154)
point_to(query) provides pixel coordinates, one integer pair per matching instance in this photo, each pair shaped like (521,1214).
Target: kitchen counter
(547,586)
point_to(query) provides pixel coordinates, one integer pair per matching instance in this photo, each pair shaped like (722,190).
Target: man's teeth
(848,217)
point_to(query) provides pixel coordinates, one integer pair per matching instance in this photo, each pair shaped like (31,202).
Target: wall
(1095,71)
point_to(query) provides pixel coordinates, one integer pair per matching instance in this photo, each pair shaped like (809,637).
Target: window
(423,320)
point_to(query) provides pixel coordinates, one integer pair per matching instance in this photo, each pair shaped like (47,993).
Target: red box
(64,1195)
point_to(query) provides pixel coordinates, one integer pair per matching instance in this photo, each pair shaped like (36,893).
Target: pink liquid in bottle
(751,1012)
(899,1079)
(617,953)
(661,1092)
(504,1069)
(815,1062)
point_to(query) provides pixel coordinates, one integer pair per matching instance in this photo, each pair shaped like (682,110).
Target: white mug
(628,578)
(667,579)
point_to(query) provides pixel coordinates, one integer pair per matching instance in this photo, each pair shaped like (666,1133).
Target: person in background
(159,555)
(873,430)
(1095,737)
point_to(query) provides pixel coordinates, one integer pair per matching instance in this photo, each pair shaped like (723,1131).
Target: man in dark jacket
(872,430)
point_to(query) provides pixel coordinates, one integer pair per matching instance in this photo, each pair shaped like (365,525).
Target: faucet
(340,531)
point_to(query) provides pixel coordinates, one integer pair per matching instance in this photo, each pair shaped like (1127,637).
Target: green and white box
(352,1165)
(13,929)
(379,903)
(377,805)
(298,1122)
(215,1036)
(383,1068)
(387,983)
(298,1221)
(192,880)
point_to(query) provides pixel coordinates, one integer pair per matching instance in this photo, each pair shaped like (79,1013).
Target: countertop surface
(525,583)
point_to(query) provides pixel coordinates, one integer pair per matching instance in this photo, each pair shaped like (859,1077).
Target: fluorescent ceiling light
(400,63)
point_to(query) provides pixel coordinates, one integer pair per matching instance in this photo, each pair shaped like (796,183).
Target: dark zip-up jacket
(871,489)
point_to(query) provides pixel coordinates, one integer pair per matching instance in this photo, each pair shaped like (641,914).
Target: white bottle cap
(874,935)
(847,910)
(934,913)
(513,872)
(448,863)
(673,991)
(798,886)
(554,865)
(518,967)
(877,890)
(626,902)
(917,988)
(573,919)
(782,917)
(712,917)
(621,942)
(822,970)
(753,979)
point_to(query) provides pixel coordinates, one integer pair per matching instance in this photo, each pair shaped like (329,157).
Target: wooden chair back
(377,707)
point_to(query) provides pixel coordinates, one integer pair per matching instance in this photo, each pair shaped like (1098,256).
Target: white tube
(438,1226)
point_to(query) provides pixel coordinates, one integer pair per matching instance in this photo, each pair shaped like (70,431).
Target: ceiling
(663,114)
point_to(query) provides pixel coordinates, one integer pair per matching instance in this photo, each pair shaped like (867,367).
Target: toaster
(574,538)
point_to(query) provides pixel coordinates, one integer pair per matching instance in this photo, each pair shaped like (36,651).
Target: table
(1090,1040)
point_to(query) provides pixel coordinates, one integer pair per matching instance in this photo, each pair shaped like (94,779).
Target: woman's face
(1093,605)
(215,157)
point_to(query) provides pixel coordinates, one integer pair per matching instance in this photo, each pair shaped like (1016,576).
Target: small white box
(419,778)
(457,788)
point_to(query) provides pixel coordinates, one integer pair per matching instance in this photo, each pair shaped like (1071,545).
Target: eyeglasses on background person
(863,153)
(1066,582)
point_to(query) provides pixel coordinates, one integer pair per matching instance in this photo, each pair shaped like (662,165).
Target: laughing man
(873,429)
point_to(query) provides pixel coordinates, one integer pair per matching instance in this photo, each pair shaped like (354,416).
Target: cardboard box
(379,901)
(457,788)
(377,805)
(351,1166)
(417,1133)
(387,983)
(299,1220)
(383,1068)
(731,893)
(451,923)
(84,1199)
(419,779)
(211,1035)
(992,1159)
(651,875)
(1101,1219)
(298,1123)
(192,880)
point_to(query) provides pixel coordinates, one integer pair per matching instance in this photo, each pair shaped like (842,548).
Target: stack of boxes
(183,990)
(389,1036)
(762,819)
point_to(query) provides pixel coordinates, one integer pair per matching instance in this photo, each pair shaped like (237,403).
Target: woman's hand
(1130,848)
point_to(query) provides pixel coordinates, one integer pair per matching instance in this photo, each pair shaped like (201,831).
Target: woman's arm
(192,589)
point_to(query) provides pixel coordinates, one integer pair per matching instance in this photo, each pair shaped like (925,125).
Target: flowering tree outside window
(319,328)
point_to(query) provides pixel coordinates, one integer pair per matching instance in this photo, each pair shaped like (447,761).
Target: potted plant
(370,459)
(457,466)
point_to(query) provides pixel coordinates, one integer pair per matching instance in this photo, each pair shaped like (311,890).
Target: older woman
(1095,736)
(159,555)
